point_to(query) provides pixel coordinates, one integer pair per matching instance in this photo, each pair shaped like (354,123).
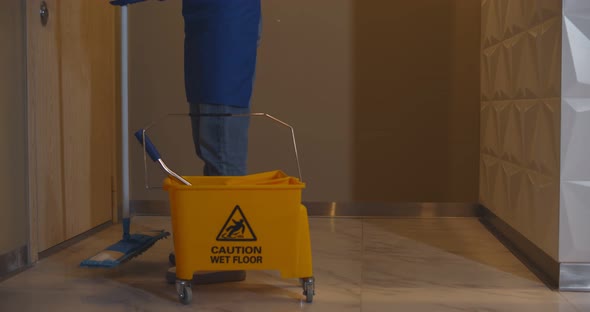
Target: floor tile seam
(564,297)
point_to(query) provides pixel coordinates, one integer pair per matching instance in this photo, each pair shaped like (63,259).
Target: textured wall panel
(520,116)
(550,45)
(526,71)
(575,134)
(511,134)
(492,22)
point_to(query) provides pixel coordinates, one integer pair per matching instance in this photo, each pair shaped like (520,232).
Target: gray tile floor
(359,264)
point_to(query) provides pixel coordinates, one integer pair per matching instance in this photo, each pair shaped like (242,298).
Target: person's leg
(221,141)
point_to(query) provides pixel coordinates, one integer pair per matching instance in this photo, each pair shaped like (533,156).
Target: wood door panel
(88,66)
(44,99)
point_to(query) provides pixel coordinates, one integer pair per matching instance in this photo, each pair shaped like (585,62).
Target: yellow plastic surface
(206,218)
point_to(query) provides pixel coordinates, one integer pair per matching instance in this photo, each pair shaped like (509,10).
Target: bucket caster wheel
(308,288)
(185,291)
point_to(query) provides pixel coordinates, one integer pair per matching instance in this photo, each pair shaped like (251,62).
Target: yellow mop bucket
(253,222)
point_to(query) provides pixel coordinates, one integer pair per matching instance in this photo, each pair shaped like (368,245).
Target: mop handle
(125,114)
(151,149)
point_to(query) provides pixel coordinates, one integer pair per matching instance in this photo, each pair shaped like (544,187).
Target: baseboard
(393,210)
(538,261)
(74,240)
(574,277)
(14,261)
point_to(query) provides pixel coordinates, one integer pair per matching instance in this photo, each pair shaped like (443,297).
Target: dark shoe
(172,259)
(213,277)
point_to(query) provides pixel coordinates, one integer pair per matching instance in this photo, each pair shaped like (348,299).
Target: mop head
(124,250)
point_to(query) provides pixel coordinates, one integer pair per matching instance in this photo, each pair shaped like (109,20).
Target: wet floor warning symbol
(236,228)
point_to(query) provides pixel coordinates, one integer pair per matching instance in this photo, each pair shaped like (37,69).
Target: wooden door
(72,97)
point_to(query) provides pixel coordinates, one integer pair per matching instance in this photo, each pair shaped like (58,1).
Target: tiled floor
(359,264)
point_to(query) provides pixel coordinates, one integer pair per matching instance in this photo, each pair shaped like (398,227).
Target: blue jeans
(221,141)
